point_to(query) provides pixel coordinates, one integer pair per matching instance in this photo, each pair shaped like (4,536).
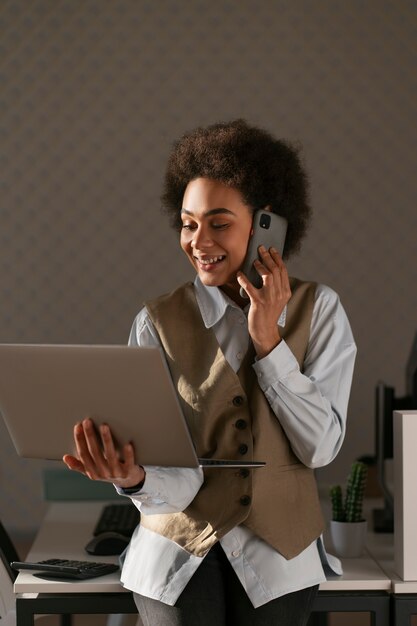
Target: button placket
(243,448)
(238,401)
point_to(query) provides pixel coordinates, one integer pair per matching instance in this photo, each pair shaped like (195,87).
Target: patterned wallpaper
(94,92)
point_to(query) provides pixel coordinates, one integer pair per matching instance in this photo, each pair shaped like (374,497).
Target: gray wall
(94,92)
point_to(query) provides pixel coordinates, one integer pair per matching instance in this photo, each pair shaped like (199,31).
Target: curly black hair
(266,171)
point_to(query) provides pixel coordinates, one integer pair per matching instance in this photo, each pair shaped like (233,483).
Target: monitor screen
(411,375)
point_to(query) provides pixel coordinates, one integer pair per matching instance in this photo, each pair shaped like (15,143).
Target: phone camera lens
(265,221)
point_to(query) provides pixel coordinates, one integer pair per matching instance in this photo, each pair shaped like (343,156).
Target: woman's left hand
(268,302)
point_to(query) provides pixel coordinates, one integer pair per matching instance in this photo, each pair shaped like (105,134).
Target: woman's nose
(201,238)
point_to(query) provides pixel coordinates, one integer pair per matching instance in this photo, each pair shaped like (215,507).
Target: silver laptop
(46,389)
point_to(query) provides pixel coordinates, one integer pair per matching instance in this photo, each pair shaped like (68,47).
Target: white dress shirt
(312,410)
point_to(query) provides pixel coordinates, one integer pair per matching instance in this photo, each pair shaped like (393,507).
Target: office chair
(8,575)
(8,553)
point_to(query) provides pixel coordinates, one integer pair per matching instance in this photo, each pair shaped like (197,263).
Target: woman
(266,377)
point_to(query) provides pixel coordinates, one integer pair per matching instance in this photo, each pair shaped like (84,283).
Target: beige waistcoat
(230,418)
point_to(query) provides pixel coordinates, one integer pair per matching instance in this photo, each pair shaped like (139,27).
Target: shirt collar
(213,304)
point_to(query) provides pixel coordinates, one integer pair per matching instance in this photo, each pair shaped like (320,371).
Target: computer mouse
(107,543)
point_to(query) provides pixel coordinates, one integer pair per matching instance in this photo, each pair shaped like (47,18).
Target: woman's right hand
(268,302)
(98,458)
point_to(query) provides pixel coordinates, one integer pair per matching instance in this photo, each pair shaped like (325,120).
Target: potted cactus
(347,526)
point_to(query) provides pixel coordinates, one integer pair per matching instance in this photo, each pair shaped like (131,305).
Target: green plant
(349,508)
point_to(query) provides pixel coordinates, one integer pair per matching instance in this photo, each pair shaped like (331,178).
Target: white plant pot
(348,538)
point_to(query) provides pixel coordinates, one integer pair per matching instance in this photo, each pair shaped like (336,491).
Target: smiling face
(216,227)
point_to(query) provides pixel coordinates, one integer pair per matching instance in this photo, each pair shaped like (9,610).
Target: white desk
(65,530)
(68,526)
(404,593)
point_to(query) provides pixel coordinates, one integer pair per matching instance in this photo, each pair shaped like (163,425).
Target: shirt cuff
(163,484)
(130,490)
(276,365)
(150,485)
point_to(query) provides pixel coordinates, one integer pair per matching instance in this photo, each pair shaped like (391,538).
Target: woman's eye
(220,226)
(189,227)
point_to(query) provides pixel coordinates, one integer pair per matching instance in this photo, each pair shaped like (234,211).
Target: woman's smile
(209,263)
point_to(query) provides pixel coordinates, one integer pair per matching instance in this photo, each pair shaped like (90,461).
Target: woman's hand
(268,302)
(98,459)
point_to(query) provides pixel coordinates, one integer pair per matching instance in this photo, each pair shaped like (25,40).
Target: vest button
(245,500)
(241,424)
(243,448)
(238,401)
(244,472)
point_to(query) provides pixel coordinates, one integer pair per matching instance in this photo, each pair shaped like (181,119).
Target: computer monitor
(411,375)
(385,403)
(383,519)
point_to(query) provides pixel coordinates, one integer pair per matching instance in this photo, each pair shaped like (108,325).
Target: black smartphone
(269,230)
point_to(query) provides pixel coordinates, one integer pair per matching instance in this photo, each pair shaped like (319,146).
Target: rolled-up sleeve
(312,405)
(166,489)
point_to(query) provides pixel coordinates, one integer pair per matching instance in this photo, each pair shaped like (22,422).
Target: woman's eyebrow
(209,212)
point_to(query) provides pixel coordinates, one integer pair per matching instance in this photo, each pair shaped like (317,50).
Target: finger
(272,260)
(283,269)
(277,257)
(270,279)
(245,283)
(73,464)
(94,445)
(81,437)
(267,259)
(272,270)
(129,455)
(93,440)
(109,448)
(280,273)
(134,471)
(263,271)
(83,452)
(80,442)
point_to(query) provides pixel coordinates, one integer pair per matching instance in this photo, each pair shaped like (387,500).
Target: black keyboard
(119,518)
(64,568)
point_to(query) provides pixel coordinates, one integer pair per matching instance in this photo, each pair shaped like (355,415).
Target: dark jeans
(215,597)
